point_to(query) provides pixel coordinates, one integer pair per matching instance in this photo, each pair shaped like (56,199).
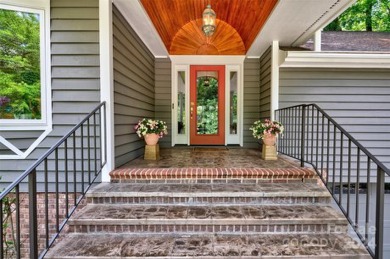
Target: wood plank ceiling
(179,23)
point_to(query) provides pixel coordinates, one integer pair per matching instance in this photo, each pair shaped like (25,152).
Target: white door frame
(232,64)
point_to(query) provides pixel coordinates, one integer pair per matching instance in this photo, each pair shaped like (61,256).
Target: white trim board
(311,59)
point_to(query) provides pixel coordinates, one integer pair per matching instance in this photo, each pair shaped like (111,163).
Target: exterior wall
(75,63)
(357,99)
(251,99)
(134,83)
(265,84)
(75,76)
(163,97)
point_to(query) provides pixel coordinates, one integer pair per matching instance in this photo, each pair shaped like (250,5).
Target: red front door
(207,105)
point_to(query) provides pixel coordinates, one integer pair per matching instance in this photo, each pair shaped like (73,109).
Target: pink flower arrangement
(149,126)
(267,127)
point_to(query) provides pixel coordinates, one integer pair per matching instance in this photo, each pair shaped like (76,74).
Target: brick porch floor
(211,157)
(217,163)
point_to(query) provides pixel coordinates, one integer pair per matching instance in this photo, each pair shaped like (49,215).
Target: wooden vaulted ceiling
(178,22)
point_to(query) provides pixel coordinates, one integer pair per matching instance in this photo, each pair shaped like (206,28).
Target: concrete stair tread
(294,189)
(106,214)
(271,246)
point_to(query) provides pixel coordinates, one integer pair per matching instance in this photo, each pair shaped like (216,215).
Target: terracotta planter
(269,140)
(151,139)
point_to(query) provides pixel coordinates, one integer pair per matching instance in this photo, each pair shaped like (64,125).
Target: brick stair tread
(293,189)
(186,214)
(124,174)
(266,246)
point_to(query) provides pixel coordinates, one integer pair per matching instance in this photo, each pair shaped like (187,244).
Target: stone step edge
(211,173)
(215,229)
(260,222)
(323,193)
(304,200)
(355,249)
(344,256)
(216,214)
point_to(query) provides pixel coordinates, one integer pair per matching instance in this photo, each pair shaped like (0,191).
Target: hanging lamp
(209,16)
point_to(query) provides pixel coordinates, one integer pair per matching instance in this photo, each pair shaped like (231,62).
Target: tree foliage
(19,64)
(207,105)
(364,15)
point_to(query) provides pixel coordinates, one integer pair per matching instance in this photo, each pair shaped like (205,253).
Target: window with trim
(22,66)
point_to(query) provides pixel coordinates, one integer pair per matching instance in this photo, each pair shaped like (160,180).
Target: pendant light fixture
(209,16)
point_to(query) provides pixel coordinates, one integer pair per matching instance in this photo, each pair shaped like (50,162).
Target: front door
(207,105)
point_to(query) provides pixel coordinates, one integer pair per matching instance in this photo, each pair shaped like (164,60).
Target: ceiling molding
(310,59)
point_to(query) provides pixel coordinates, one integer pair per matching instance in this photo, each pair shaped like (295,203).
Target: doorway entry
(207,105)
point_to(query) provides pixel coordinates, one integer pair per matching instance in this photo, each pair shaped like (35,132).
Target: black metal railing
(348,170)
(36,206)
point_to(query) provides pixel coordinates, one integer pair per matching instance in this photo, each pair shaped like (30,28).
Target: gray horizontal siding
(265,84)
(251,99)
(75,77)
(163,97)
(357,99)
(133,89)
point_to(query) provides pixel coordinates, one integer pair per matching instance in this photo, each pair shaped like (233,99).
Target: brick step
(228,218)
(214,175)
(195,193)
(267,246)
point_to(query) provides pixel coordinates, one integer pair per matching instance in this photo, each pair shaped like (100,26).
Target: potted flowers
(151,130)
(267,130)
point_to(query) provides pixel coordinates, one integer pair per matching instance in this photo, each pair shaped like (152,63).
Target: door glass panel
(207,102)
(233,103)
(181,108)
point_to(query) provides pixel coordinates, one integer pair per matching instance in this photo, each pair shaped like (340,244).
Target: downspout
(106,80)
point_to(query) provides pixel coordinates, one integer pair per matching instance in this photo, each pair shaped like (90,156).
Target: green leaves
(20,64)
(364,15)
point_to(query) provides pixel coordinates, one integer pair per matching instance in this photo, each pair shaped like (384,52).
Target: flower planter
(269,140)
(151,139)
(269,148)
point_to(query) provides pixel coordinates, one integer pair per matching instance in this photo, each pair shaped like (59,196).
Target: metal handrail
(315,138)
(95,120)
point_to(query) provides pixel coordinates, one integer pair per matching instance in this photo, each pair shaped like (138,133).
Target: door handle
(192,109)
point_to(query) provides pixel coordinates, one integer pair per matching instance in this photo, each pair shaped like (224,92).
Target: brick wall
(47,220)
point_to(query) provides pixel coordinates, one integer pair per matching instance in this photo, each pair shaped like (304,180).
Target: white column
(274,78)
(317,40)
(106,80)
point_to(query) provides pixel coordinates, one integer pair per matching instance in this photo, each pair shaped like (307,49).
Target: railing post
(379,220)
(303,125)
(32,203)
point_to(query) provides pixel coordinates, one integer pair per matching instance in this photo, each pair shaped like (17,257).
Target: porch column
(317,41)
(274,78)
(106,80)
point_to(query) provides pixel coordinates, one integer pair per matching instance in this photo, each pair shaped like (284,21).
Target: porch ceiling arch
(171,19)
(190,40)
